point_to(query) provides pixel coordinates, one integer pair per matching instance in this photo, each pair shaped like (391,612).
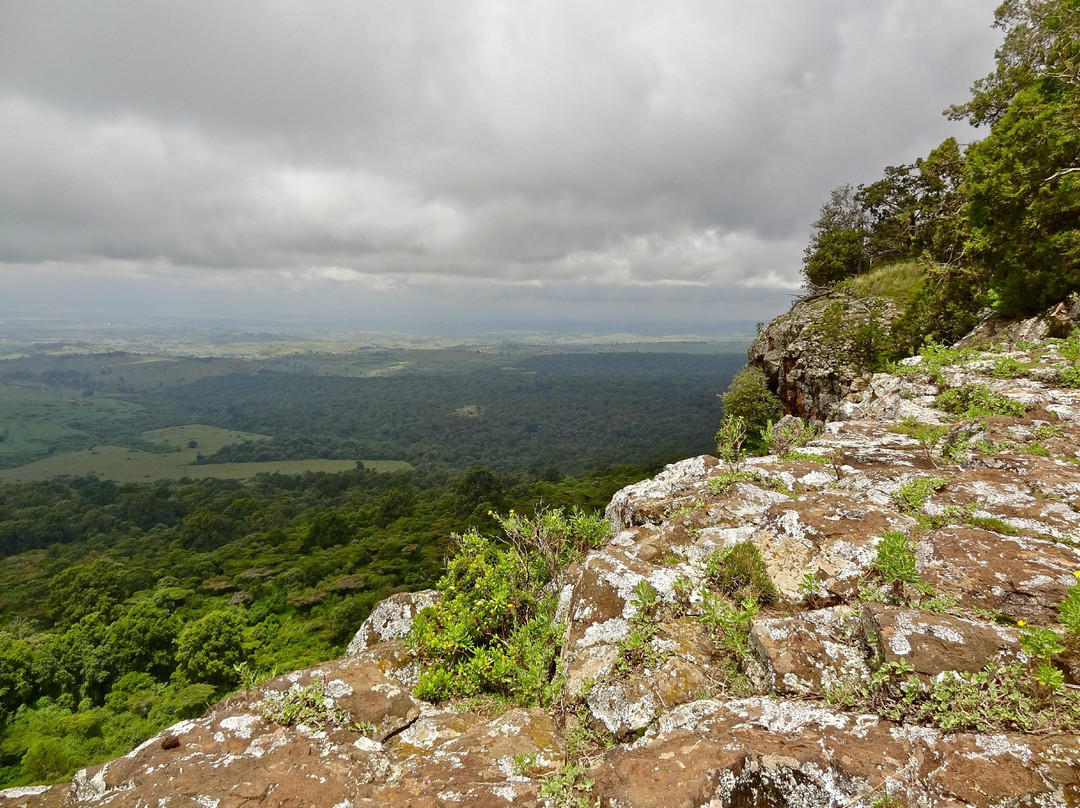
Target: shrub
(739,572)
(895,562)
(492,631)
(976,401)
(912,495)
(749,397)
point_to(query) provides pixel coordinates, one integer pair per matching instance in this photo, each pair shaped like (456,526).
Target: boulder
(391,619)
(933,643)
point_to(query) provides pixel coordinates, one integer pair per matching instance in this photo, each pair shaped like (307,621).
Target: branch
(1058,175)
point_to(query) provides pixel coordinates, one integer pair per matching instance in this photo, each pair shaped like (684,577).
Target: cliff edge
(879,617)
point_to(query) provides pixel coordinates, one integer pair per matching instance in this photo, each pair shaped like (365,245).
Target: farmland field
(178,459)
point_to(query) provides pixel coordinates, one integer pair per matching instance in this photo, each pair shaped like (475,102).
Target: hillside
(886,614)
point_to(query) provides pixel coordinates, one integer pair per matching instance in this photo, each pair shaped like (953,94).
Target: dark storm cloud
(393,145)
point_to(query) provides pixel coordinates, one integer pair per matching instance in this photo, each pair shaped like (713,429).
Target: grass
(901,282)
(126,465)
(31,419)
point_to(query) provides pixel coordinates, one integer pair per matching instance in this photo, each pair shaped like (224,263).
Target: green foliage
(730,439)
(635,650)
(978,401)
(912,495)
(1069,609)
(946,307)
(739,572)
(492,631)
(895,561)
(304,705)
(210,649)
(852,334)
(750,399)
(999,697)
(902,282)
(568,788)
(837,245)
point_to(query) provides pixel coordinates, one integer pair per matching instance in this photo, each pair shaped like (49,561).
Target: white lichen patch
(992,746)
(337,689)
(240,725)
(607,633)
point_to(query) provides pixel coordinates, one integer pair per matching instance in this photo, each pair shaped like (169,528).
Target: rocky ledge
(912,557)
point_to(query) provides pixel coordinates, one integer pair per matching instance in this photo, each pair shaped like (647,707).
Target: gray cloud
(391,146)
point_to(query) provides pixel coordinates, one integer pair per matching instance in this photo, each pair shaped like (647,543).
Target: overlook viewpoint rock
(851,688)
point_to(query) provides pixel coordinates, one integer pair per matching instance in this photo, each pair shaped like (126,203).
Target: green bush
(749,397)
(976,401)
(740,573)
(492,631)
(895,562)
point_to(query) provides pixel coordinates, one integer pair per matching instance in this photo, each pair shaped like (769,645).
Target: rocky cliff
(914,552)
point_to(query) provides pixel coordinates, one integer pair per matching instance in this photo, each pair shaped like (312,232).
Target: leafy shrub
(912,495)
(895,562)
(739,572)
(730,439)
(492,632)
(748,397)
(976,401)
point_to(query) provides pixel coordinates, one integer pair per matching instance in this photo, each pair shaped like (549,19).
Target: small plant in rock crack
(912,495)
(811,589)
(636,650)
(895,564)
(568,788)
(739,572)
(927,435)
(307,705)
(730,439)
(1041,644)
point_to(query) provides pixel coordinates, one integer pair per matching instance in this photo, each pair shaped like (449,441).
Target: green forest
(128,605)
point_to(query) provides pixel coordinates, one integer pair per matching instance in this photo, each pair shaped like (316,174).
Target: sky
(596,165)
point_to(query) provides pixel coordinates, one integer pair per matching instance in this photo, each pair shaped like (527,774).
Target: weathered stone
(832,536)
(647,501)
(808,376)
(1023,578)
(391,619)
(793,755)
(359,688)
(811,653)
(933,643)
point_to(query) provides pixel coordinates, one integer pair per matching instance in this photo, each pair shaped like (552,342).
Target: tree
(1024,177)
(837,248)
(97,586)
(209,649)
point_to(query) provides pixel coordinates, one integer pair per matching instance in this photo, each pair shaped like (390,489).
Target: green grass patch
(901,282)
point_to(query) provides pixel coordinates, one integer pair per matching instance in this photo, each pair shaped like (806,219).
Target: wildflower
(1021,623)
(1077,573)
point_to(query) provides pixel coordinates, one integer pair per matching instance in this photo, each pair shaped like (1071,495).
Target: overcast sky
(608,165)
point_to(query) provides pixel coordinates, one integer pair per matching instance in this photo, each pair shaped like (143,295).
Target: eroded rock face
(807,372)
(994,538)
(762,752)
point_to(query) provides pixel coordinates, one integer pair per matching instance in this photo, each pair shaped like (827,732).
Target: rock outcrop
(808,363)
(791,707)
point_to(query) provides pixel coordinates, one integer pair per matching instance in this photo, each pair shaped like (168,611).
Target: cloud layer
(541,147)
